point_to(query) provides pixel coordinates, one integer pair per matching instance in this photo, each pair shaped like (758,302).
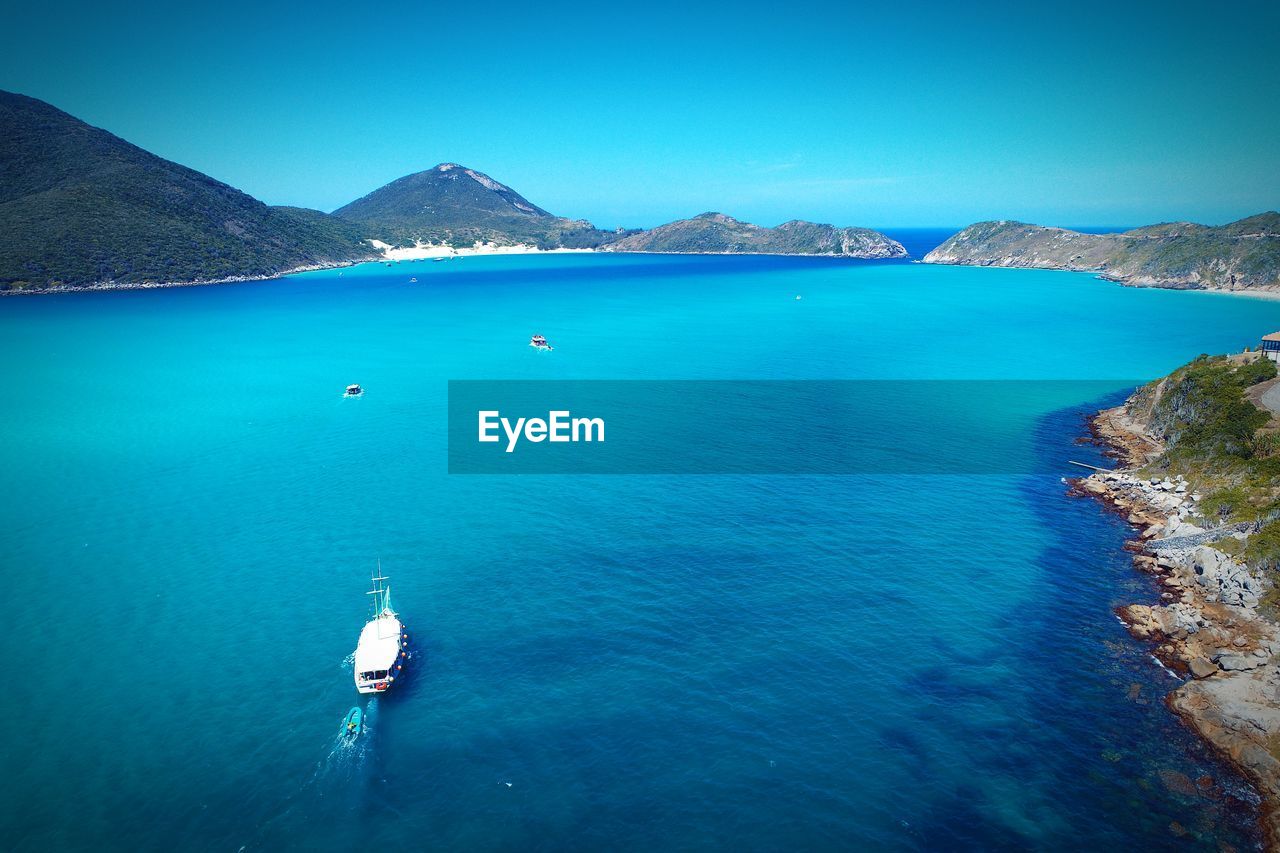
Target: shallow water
(634,662)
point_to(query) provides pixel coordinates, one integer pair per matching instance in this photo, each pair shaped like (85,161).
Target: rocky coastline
(1209,628)
(155,285)
(1239,257)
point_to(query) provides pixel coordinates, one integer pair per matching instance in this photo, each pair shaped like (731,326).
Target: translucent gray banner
(763,427)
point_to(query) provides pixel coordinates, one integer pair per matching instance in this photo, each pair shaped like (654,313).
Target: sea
(755,661)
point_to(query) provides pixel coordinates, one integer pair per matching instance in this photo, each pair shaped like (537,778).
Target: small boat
(438,260)
(383,648)
(353,723)
(539,342)
(413,280)
(353,391)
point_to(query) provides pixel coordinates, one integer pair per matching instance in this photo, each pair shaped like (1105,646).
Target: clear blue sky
(896,114)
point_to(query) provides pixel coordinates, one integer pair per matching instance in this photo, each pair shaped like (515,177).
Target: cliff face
(1240,256)
(721,234)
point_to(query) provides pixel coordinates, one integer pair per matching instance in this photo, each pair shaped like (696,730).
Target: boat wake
(349,758)
(341,780)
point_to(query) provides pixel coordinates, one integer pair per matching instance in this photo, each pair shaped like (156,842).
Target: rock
(1202,667)
(1224,579)
(1178,619)
(1236,663)
(1239,642)
(1140,619)
(1179,783)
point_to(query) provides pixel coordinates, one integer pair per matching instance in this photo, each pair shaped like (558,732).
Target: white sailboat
(383,648)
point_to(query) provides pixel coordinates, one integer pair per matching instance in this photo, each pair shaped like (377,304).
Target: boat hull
(381,655)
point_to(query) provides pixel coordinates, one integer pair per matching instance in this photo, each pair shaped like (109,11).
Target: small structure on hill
(1271,346)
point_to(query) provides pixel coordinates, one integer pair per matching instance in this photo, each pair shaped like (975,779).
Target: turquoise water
(726,662)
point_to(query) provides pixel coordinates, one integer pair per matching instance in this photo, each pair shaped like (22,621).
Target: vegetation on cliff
(1225,444)
(1241,255)
(79,206)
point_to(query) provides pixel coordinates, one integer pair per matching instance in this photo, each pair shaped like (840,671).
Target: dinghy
(353,723)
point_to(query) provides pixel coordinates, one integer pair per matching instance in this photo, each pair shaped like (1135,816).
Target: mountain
(718,233)
(1238,256)
(459,206)
(79,206)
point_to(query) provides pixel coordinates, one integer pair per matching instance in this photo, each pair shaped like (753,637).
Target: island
(1241,256)
(716,233)
(1200,481)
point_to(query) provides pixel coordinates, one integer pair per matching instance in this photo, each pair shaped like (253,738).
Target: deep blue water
(919,241)
(725,662)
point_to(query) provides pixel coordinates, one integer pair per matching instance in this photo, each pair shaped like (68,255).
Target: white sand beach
(420,251)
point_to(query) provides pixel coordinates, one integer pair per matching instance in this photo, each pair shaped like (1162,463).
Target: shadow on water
(1074,744)
(1103,730)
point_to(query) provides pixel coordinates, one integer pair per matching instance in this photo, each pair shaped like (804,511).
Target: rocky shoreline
(1239,256)
(1262,291)
(1209,629)
(154,285)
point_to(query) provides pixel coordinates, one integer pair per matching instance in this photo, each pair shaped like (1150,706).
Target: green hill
(79,206)
(718,233)
(1237,256)
(459,206)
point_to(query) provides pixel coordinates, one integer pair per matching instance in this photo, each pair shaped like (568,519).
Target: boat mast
(377,591)
(380,598)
